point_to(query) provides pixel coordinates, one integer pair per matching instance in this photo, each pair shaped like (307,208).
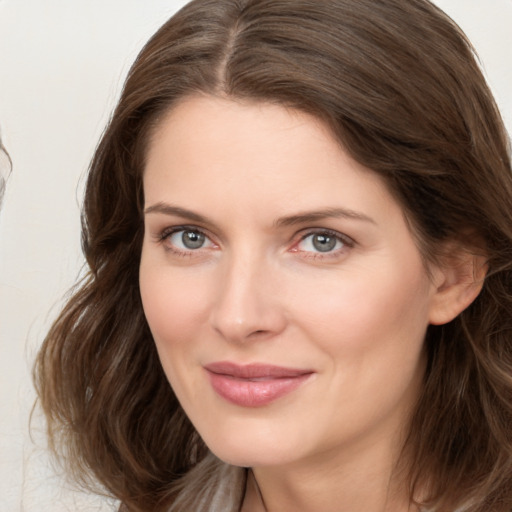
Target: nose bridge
(246,305)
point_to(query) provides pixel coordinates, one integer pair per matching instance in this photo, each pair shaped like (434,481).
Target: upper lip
(254,370)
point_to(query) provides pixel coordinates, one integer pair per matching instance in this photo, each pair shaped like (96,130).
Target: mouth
(254,385)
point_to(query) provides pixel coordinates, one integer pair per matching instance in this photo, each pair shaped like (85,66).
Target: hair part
(398,84)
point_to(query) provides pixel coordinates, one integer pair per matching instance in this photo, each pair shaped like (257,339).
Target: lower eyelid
(162,236)
(164,239)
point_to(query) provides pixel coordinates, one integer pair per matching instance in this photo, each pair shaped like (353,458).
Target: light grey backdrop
(61,67)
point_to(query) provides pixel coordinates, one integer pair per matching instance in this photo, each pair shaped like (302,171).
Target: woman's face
(285,293)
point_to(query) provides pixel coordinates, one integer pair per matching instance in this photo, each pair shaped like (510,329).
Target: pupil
(324,243)
(192,239)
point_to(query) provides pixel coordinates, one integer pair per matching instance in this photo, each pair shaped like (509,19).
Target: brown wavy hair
(398,83)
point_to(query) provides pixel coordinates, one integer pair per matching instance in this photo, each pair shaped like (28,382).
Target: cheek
(175,315)
(372,331)
(368,312)
(173,305)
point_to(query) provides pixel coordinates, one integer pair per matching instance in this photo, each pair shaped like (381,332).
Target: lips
(254,385)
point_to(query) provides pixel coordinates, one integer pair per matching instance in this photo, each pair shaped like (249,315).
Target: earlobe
(457,284)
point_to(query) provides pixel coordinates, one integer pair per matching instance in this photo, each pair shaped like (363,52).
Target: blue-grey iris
(324,243)
(192,239)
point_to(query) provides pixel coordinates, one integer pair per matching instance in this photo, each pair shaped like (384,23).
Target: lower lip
(254,393)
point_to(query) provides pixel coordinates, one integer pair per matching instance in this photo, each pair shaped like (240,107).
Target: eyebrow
(289,220)
(326,213)
(169,209)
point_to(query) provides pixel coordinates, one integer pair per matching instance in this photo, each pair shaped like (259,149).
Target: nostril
(260,333)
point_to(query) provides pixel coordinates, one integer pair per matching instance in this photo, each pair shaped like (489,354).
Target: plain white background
(61,67)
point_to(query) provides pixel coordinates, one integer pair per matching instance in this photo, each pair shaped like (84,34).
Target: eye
(323,242)
(187,239)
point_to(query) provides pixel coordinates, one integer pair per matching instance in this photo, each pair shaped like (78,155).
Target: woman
(298,225)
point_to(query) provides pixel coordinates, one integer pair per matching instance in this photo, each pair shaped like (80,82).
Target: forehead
(244,155)
(252,133)
(217,122)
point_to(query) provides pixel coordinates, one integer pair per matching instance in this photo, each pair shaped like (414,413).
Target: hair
(398,84)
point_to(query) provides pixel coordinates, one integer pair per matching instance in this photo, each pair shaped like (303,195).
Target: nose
(248,306)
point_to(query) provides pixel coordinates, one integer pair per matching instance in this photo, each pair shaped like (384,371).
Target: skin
(258,290)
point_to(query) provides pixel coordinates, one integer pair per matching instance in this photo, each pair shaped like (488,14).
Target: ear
(457,283)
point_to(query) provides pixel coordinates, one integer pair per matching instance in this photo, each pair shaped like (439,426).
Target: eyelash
(164,236)
(346,241)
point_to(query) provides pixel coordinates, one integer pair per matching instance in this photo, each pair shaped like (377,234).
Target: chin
(250,458)
(249,449)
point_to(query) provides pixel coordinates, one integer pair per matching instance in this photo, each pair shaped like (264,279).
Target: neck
(360,481)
